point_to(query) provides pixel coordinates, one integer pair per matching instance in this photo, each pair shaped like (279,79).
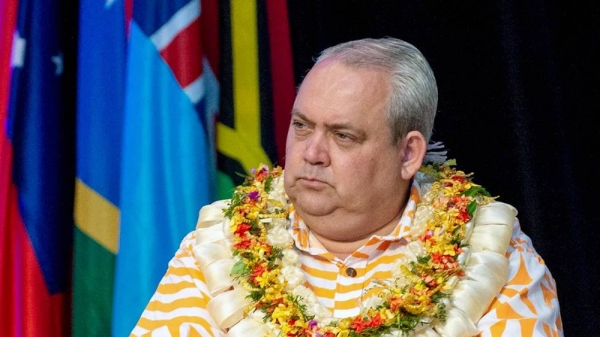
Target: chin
(313,206)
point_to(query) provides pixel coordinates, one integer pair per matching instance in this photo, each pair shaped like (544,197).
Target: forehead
(332,89)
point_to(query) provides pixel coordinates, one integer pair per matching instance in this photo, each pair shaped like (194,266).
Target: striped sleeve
(178,307)
(528,304)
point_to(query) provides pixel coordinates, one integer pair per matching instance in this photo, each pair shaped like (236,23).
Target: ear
(412,151)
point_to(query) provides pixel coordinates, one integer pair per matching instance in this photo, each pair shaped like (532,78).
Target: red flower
(258,271)
(463,216)
(359,324)
(445,262)
(376,321)
(242,229)
(428,236)
(262,174)
(243,245)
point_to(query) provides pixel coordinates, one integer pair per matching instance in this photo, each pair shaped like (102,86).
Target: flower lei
(267,266)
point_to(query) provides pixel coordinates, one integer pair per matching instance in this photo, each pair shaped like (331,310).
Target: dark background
(518,83)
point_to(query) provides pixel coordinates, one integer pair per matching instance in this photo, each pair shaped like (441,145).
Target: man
(357,237)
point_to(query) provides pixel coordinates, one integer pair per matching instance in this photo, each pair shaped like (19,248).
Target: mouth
(312,183)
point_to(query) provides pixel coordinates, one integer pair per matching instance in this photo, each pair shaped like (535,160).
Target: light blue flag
(165,177)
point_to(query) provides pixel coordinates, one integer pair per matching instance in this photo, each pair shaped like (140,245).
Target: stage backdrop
(518,82)
(125,116)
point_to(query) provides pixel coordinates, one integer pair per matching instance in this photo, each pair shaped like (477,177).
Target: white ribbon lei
(483,261)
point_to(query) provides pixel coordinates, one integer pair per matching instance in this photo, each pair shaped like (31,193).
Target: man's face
(339,152)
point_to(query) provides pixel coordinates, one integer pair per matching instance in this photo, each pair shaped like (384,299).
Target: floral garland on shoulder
(421,296)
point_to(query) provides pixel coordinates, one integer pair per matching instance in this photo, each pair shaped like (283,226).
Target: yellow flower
(253,214)
(344,324)
(388,316)
(281,314)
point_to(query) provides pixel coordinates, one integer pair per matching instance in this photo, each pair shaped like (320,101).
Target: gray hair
(414,97)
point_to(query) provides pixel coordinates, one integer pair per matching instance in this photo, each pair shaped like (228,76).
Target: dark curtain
(517,82)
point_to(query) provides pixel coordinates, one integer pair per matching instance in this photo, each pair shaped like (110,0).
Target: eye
(298,124)
(300,127)
(344,136)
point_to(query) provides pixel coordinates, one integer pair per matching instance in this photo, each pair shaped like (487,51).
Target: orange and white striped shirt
(527,305)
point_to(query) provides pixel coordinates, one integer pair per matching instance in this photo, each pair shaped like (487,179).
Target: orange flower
(258,271)
(396,303)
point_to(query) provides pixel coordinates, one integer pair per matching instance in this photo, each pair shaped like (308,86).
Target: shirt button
(351,272)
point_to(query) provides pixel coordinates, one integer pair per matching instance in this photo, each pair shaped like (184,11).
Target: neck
(343,248)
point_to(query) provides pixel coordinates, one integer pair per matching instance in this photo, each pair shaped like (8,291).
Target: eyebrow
(297,113)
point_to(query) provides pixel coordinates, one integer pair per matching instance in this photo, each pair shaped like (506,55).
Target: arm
(178,307)
(527,305)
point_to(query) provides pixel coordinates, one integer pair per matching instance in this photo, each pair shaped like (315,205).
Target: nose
(317,150)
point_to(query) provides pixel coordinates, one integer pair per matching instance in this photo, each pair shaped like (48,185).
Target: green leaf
(239,268)
(472,207)
(423,259)
(268,182)
(476,190)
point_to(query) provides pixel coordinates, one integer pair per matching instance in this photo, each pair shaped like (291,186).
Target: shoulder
(528,301)
(520,241)
(527,268)
(188,242)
